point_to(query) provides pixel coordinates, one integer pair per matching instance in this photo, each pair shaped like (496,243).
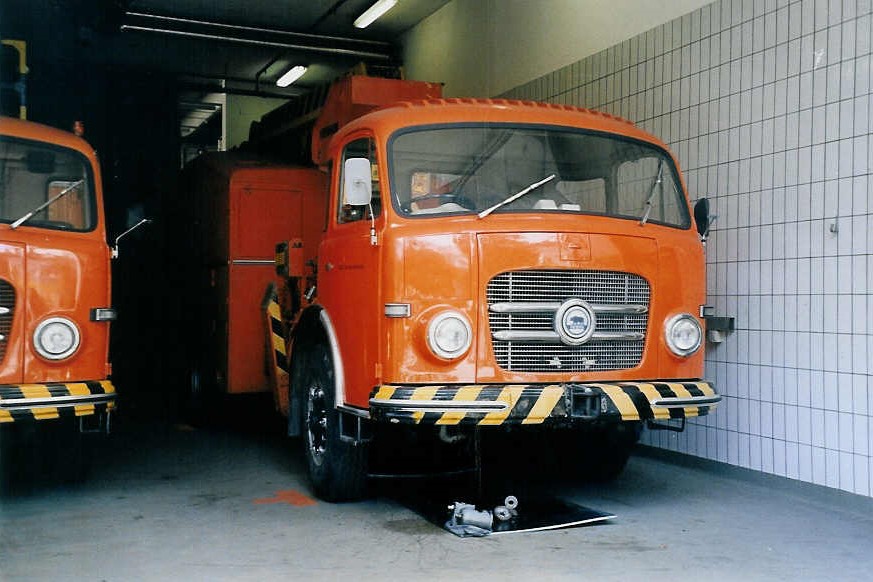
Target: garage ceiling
(248,44)
(212,47)
(235,46)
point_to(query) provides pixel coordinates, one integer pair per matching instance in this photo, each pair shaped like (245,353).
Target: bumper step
(491,405)
(28,402)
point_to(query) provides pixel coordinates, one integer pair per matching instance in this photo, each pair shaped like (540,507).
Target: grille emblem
(575,322)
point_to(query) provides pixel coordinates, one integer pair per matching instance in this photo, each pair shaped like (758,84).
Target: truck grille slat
(603,288)
(7,301)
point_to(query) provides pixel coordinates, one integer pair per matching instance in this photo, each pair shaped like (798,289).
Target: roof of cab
(38,132)
(469,110)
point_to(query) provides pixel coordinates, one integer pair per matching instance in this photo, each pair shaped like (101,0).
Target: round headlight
(56,338)
(684,335)
(449,335)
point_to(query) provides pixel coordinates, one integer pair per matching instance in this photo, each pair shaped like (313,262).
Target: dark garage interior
(747,453)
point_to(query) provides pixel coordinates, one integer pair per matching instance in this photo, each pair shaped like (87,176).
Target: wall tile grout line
(769,110)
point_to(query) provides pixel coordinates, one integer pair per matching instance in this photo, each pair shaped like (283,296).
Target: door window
(360,148)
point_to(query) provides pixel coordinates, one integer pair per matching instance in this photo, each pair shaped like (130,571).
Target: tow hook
(585,403)
(448,438)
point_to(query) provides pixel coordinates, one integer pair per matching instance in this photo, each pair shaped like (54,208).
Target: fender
(352,421)
(313,323)
(338,374)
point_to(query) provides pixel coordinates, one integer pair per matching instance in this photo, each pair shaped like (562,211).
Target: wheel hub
(316,423)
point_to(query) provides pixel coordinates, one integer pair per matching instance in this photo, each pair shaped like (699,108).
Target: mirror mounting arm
(142,222)
(374,241)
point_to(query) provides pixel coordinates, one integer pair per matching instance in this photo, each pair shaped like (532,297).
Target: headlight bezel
(433,328)
(669,329)
(44,326)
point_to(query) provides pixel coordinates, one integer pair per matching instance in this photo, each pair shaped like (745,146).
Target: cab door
(348,272)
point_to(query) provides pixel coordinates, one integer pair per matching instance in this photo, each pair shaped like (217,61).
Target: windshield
(34,173)
(469,169)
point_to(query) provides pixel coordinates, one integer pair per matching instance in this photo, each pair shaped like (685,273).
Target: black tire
(337,469)
(44,453)
(74,452)
(199,400)
(195,397)
(7,460)
(608,450)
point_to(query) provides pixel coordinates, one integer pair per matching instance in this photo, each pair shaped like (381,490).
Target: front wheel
(607,451)
(337,469)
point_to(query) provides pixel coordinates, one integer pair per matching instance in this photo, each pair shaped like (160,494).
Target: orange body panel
(435,263)
(356,95)
(264,208)
(55,273)
(250,209)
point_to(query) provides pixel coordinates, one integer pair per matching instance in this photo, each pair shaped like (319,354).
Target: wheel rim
(194,383)
(316,423)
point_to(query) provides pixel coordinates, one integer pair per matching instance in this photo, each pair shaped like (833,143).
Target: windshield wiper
(46,204)
(515,197)
(658,181)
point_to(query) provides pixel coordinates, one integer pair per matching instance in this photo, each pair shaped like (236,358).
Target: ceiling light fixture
(374,12)
(292,75)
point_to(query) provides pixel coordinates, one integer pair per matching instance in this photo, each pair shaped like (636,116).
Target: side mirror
(701,217)
(357,182)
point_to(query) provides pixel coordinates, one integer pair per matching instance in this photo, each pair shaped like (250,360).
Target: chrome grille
(7,309)
(604,289)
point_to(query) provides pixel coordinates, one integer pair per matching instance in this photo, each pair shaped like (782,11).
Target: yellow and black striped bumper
(489,404)
(26,402)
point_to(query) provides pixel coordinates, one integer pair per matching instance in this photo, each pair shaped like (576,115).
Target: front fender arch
(314,327)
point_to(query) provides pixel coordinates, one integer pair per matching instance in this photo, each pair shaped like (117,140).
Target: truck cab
(55,304)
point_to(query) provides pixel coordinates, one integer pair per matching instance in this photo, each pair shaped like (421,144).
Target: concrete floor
(169,503)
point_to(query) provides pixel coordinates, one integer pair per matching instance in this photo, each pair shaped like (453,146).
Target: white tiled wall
(768,105)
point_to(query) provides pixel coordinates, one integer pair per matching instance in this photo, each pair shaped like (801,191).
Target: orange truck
(55,303)
(469,265)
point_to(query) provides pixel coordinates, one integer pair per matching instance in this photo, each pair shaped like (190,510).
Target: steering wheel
(450,196)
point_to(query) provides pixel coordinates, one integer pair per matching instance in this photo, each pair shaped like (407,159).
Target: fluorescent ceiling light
(292,75)
(374,12)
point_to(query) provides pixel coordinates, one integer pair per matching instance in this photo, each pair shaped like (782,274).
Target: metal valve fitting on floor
(467,514)
(508,510)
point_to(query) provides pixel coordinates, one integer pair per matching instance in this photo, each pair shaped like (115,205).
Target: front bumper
(490,404)
(27,402)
